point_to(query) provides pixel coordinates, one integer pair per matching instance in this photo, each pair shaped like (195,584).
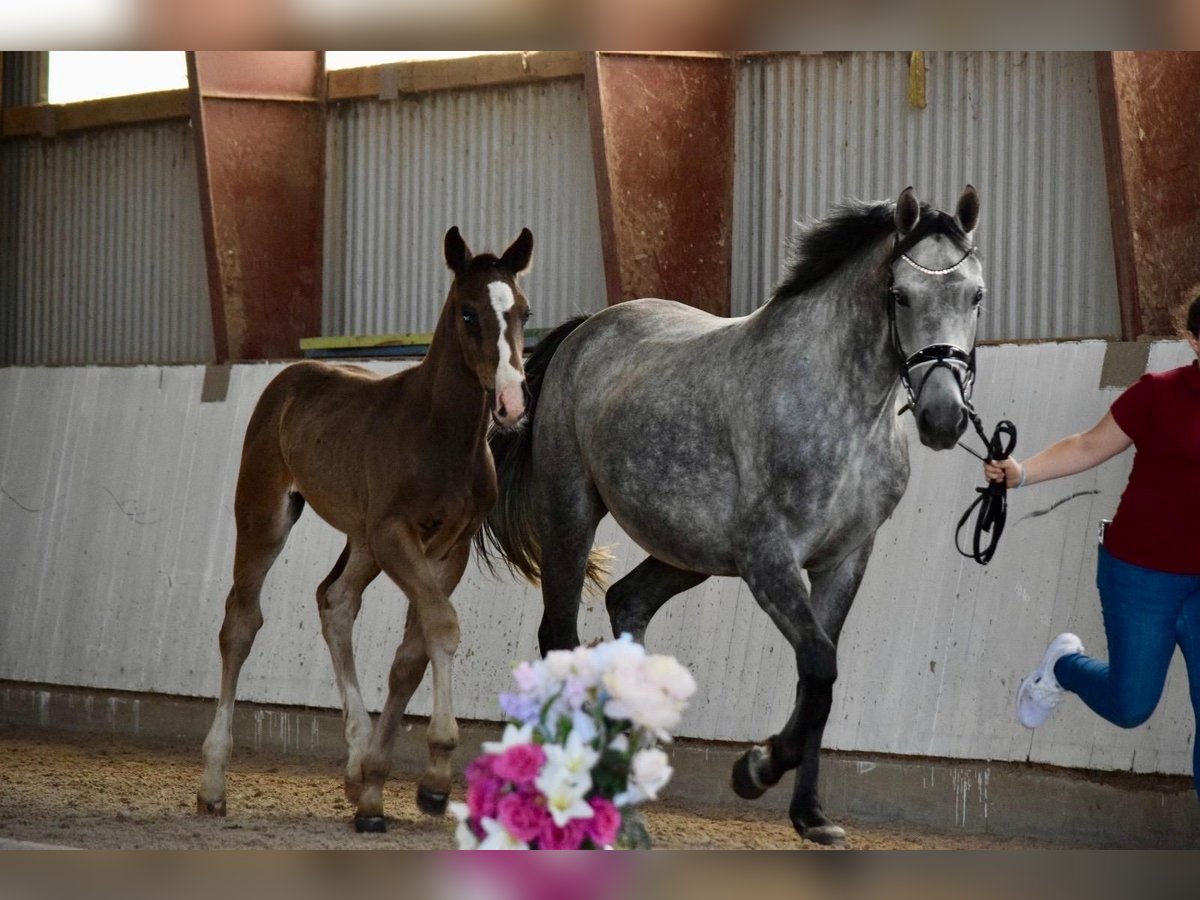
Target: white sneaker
(1040,691)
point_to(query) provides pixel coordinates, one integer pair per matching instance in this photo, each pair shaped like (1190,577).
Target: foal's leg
(339,599)
(431,636)
(408,668)
(633,601)
(264,519)
(799,743)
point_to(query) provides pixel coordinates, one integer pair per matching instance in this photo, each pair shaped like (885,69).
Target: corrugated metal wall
(490,160)
(101,249)
(24,77)
(1022,127)
(116,522)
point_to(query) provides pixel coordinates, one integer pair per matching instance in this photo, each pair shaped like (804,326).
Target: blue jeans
(1146,613)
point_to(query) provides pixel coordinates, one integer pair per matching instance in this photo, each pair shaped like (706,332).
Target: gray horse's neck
(839,329)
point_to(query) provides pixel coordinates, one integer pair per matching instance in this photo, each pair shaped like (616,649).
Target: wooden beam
(51,119)
(420,76)
(663,145)
(260,138)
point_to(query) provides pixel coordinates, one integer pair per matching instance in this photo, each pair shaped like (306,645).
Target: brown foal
(401,466)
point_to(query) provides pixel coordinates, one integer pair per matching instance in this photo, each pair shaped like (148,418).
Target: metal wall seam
(104,256)
(490,160)
(1024,127)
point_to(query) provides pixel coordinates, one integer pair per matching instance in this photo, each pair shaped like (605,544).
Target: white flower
(620,743)
(583,726)
(564,795)
(513,736)
(649,773)
(651,692)
(574,759)
(559,664)
(498,837)
(463,833)
(604,656)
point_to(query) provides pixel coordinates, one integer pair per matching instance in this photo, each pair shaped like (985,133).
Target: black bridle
(992,501)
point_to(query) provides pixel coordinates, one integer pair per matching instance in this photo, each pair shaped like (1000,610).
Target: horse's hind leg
(264,518)
(798,745)
(633,601)
(570,510)
(339,599)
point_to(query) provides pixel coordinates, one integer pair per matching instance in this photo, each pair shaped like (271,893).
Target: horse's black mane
(819,249)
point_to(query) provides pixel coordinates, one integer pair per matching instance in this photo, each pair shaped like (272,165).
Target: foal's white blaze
(509,395)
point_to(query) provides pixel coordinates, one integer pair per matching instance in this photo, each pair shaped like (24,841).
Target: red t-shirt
(1157,525)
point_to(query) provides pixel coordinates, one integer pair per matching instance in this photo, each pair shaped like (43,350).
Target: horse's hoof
(431,802)
(826,835)
(745,779)
(370,824)
(210,807)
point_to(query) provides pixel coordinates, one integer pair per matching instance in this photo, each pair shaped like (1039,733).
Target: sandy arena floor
(93,792)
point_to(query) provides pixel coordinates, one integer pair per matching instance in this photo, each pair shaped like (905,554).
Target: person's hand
(1008,470)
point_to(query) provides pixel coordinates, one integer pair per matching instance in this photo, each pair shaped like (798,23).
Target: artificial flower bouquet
(580,749)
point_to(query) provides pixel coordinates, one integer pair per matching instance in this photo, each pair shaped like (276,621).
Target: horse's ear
(967,212)
(516,257)
(458,255)
(908,211)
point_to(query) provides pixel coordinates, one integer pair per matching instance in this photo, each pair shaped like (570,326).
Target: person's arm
(1071,455)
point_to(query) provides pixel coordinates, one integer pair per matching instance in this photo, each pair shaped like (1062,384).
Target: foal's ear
(516,257)
(908,211)
(967,212)
(458,255)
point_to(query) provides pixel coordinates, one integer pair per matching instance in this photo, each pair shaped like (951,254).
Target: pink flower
(483,797)
(602,828)
(481,767)
(568,837)
(522,815)
(520,764)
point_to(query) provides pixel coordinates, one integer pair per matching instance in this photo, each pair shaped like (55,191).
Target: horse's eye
(979,296)
(471,317)
(525,316)
(898,296)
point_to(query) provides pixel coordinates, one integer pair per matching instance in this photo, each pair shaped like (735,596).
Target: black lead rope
(992,501)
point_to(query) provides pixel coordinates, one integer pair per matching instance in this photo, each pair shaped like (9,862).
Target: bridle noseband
(958,361)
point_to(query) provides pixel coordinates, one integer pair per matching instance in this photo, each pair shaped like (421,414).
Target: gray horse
(758,446)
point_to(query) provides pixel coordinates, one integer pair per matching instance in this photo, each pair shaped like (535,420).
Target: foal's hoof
(210,807)
(370,824)
(746,782)
(431,802)
(826,835)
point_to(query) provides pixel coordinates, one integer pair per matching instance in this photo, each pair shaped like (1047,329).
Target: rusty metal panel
(261,175)
(1022,127)
(663,138)
(490,160)
(1151,116)
(101,251)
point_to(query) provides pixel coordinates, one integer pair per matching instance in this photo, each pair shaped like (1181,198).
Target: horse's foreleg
(431,638)
(339,599)
(798,745)
(633,601)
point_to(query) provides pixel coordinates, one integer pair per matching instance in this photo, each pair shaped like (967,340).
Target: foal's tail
(510,533)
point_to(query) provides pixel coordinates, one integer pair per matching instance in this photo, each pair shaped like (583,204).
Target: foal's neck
(457,402)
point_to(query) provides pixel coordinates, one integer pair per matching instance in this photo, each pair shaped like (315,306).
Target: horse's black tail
(510,533)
